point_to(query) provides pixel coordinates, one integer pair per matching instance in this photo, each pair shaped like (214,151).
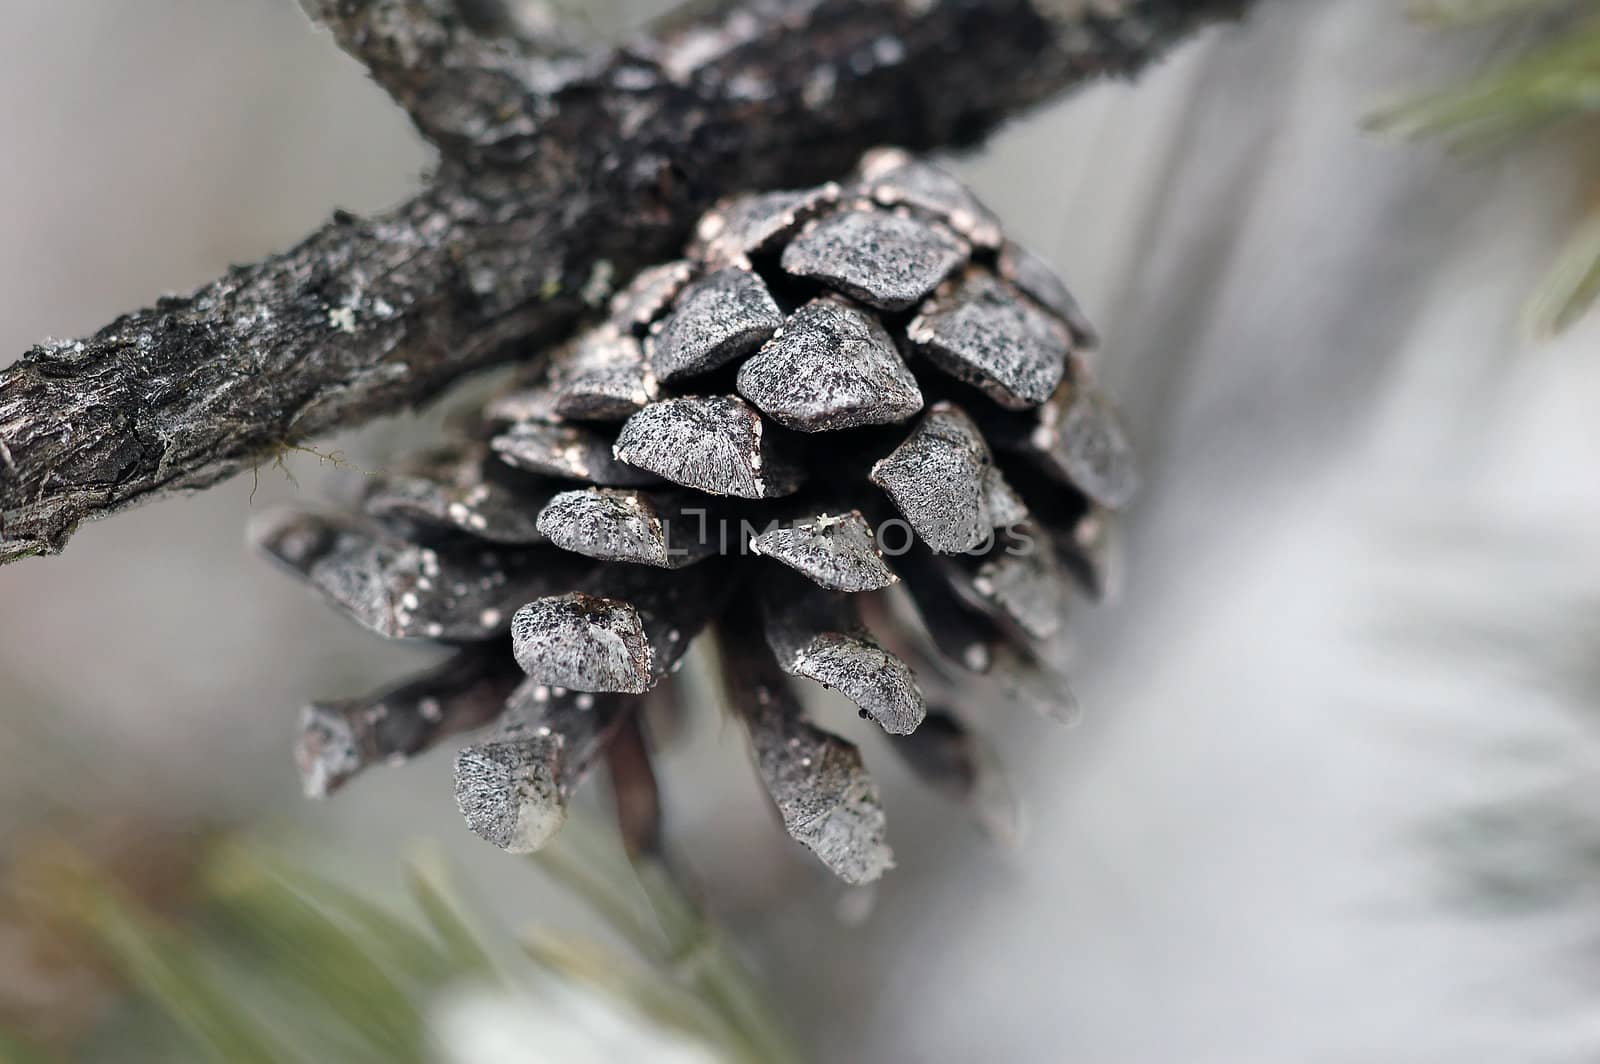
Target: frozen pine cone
(852,435)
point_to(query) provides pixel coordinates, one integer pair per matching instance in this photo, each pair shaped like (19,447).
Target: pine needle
(576,960)
(1557,84)
(272,965)
(684,947)
(173,974)
(1572,286)
(429,883)
(324,965)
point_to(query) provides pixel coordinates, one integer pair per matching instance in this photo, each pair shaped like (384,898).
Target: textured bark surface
(560,173)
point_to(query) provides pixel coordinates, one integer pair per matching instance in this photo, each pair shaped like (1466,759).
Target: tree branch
(557,175)
(467,77)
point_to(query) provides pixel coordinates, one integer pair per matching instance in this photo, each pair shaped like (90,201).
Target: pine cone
(837,391)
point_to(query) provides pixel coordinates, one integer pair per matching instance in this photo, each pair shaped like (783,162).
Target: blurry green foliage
(271,964)
(1553,85)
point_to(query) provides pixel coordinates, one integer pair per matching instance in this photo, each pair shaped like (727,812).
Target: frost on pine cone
(858,399)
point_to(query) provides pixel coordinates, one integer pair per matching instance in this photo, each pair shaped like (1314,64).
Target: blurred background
(1333,795)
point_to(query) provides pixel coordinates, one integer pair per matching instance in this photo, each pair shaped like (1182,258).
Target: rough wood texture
(559,172)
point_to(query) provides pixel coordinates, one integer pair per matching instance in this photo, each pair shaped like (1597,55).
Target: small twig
(460,68)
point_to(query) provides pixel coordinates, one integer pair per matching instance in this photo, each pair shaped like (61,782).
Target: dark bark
(560,173)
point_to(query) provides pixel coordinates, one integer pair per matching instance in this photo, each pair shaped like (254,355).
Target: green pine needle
(174,975)
(322,965)
(682,947)
(1573,286)
(271,965)
(575,960)
(1559,82)
(430,887)
(1556,84)
(399,946)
